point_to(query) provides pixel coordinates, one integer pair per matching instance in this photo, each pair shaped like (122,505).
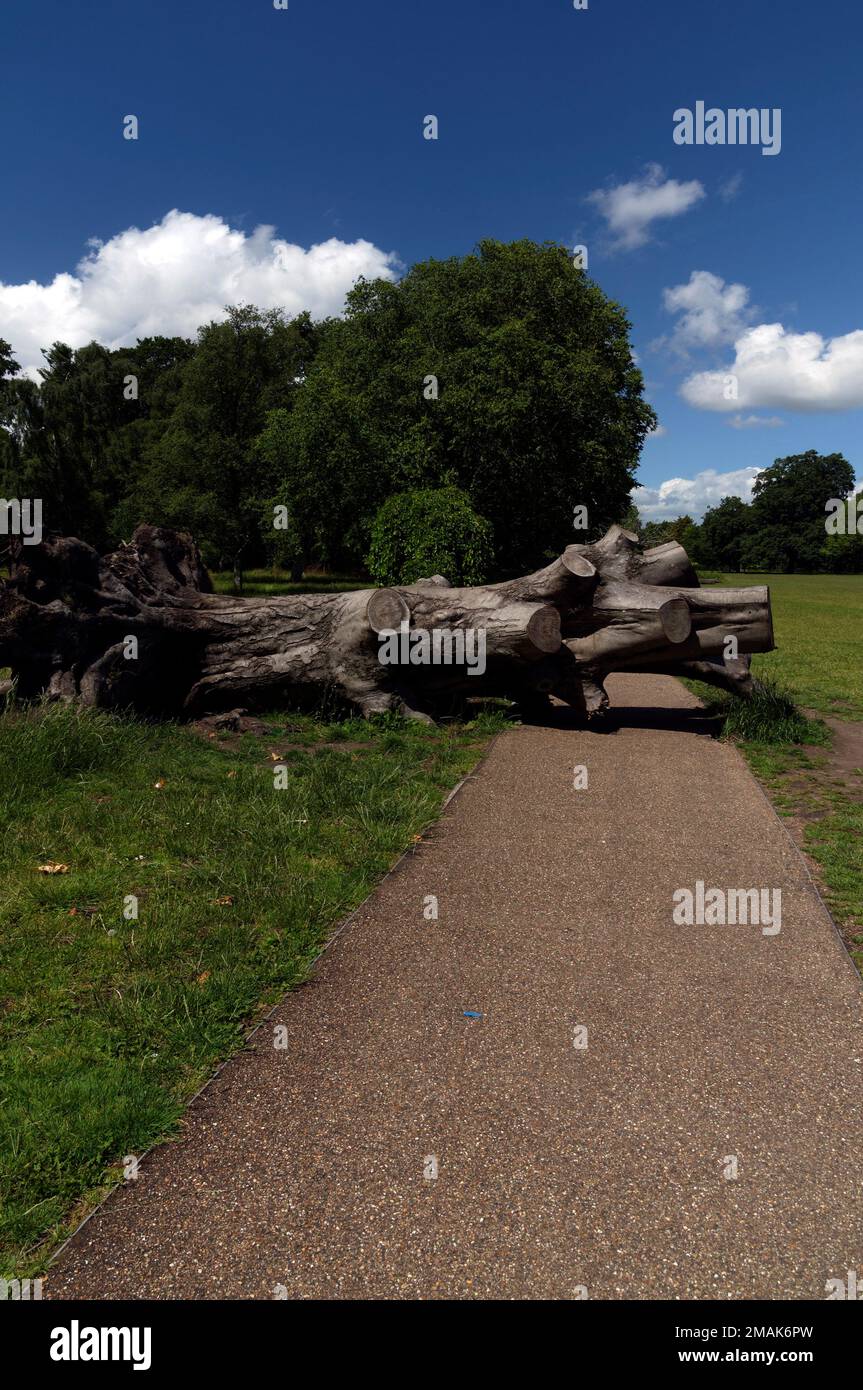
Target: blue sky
(554,123)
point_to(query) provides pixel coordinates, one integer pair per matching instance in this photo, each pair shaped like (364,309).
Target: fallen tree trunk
(141,628)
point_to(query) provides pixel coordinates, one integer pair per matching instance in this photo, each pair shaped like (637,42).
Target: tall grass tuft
(769,715)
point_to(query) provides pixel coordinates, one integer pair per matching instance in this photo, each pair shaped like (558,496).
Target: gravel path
(304,1172)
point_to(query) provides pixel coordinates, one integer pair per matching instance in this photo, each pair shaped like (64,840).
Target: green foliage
(281,539)
(507,372)
(205,473)
(782,531)
(723,533)
(843,554)
(162,432)
(430,531)
(767,551)
(659,532)
(788,508)
(79,437)
(631,521)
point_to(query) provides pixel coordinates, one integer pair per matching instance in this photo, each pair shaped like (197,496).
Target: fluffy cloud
(176,275)
(692,496)
(775,368)
(712,313)
(630,208)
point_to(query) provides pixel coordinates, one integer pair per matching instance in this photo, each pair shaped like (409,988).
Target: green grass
(769,716)
(836,844)
(276,581)
(818,623)
(109,1025)
(828,811)
(818,664)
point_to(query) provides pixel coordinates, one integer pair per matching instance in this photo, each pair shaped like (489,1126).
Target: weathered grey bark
(67,617)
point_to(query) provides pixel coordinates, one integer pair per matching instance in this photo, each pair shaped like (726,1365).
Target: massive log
(142,629)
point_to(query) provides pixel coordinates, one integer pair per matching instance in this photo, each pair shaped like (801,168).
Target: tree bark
(141,628)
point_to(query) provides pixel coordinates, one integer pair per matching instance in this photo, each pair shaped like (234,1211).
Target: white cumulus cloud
(630,208)
(172,277)
(776,368)
(692,496)
(712,312)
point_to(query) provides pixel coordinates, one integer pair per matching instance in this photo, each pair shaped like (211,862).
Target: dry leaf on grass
(160,784)
(223,902)
(53,869)
(202,979)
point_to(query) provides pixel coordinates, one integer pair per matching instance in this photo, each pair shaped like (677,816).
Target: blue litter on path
(471,1013)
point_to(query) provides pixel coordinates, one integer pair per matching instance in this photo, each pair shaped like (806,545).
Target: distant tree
(767,551)
(280,535)
(79,436)
(788,507)
(430,531)
(724,530)
(10,441)
(843,553)
(658,532)
(68,430)
(631,521)
(508,370)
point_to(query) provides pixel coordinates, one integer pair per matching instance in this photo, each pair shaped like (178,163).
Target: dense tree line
(465,412)
(506,375)
(784,529)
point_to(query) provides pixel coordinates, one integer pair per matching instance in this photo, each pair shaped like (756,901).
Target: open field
(818,623)
(108,1025)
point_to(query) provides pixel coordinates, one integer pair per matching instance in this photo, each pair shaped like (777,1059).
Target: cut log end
(543,629)
(676,619)
(387,610)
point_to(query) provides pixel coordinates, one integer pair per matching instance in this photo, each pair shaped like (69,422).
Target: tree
(659,532)
(10,441)
(843,553)
(205,471)
(767,551)
(64,428)
(631,521)
(426,532)
(722,534)
(788,507)
(507,370)
(78,437)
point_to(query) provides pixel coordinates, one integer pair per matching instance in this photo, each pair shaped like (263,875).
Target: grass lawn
(109,1025)
(818,625)
(813,773)
(276,581)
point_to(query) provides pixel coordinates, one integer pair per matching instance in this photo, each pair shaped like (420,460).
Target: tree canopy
(507,371)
